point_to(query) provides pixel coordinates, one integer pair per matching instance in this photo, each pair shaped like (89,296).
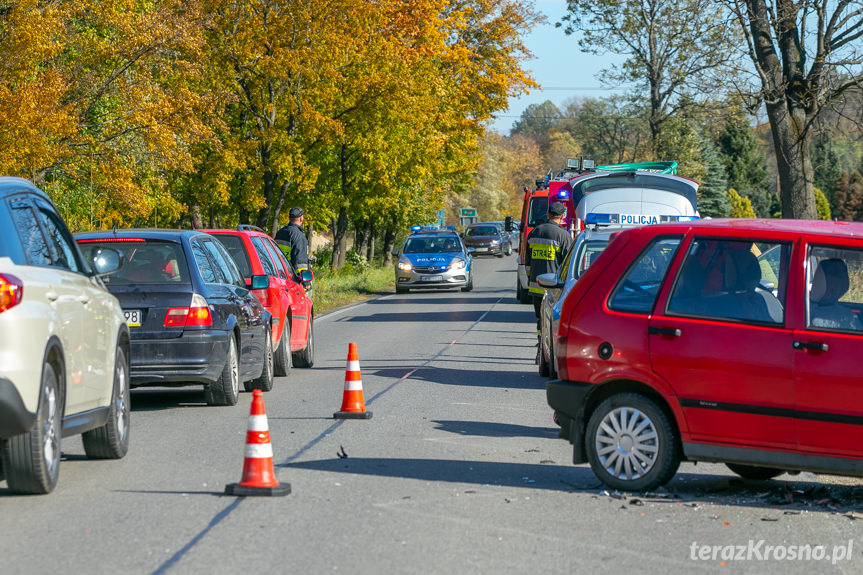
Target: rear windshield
(235,247)
(643,181)
(481,231)
(431,245)
(146,261)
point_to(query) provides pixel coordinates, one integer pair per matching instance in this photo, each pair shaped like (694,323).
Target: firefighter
(547,244)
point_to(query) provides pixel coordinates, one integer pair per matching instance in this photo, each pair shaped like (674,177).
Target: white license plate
(133,317)
(482,249)
(431,278)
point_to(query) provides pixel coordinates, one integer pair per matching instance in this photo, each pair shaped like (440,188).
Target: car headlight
(495,242)
(405,265)
(457,265)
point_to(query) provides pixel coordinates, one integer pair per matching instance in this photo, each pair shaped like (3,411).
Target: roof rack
(663,167)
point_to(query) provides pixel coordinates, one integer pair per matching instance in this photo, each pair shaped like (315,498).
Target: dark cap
(296,212)
(557,209)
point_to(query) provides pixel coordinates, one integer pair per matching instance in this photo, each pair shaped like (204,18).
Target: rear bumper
(193,358)
(568,399)
(14,417)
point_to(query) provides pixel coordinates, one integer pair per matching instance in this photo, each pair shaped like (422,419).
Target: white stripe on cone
(259,450)
(353,385)
(258,423)
(353,365)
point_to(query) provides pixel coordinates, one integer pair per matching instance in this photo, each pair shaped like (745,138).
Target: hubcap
(627,443)
(121,403)
(50,446)
(235,371)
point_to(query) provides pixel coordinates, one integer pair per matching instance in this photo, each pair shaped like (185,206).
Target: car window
(32,239)
(264,256)
(205,265)
(638,288)
(537,211)
(482,231)
(225,266)
(285,271)
(59,238)
(146,261)
(726,280)
(431,245)
(563,272)
(834,290)
(235,246)
(588,252)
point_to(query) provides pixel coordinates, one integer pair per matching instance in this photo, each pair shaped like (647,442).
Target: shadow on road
(445,316)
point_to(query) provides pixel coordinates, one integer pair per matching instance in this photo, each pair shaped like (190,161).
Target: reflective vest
(547,245)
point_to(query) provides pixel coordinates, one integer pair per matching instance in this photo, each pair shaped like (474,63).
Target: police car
(433,257)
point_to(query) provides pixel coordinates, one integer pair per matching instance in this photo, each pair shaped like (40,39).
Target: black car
(191,316)
(488,238)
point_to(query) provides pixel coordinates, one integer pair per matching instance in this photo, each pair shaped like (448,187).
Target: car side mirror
(507,223)
(260,282)
(471,250)
(107,261)
(395,252)
(306,278)
(548,281)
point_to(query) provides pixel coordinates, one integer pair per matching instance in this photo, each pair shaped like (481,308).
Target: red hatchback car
(732,341)
(285,298)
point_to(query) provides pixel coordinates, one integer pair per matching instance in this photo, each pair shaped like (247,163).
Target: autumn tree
(610,130)
(807,57)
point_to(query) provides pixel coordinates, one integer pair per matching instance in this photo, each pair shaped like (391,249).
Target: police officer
(547,244)
(293,237)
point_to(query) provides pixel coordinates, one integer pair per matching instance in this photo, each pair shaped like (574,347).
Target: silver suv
(64,344)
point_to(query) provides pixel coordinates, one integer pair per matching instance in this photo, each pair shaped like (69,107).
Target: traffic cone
(353,406)
(259,478)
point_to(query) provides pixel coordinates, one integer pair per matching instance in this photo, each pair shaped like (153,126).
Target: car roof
(817,227)
(13,184)
(433,233)
(238,231)
(145,233)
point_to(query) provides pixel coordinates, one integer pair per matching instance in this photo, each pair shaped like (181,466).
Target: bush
(323,257)
(356,261)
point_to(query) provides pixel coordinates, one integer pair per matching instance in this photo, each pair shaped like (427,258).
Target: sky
(562,70)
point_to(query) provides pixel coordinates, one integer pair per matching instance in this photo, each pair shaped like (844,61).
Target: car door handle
(84,299)
(672,331)
(814,346)
(51,295)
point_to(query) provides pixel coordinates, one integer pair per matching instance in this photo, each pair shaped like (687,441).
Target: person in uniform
(293,238)
(547,244)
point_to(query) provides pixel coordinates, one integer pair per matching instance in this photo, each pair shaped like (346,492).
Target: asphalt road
(459,470)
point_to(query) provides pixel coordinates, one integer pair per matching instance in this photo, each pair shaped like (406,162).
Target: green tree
(822,205)
(740,206)
(713,199)
(610,130)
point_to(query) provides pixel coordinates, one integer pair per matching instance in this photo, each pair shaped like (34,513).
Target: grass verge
(334,289)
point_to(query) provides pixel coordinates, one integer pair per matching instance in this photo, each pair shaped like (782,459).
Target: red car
(285,298)
(733,341)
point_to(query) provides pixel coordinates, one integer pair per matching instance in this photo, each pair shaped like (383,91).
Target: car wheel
(400,289)
(111,441)
(306,357)
(522,294)
(31,461)
(264,382)
(754,472)
(552,366)
(226,390)
(631,444)
(469,286)
(282,360)
(543,363)
(509,250)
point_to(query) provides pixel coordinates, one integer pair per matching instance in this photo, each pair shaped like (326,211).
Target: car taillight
(263,296)
(11,291)
(197,314)
(560,358)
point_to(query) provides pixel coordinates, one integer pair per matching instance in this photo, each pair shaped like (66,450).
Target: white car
(64,344)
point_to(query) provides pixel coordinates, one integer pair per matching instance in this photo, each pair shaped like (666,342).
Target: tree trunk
(796,177)
(196,221)
(370,252)
(389,242)
(360,237)
(340,233)
(277,210)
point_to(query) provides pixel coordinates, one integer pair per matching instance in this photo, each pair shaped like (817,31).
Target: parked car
(488,238)
(433,257)
(285,296)
(64,344)
(192,319)
(732,341)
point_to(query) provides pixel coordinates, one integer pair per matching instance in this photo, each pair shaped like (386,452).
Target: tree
(538,120)
(807,57)
(674,47)
(713,197)
(741,207)
(822,206)
(611,130)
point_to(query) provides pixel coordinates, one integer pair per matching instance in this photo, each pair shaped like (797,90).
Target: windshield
(481,231)
(431,245)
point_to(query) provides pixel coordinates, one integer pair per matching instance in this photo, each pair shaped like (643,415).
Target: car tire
(509,250)
(111,441)
(306,357)
(754,472)
(226,389)
(400,289)
(612,449)
(282,359)
(543,363)
(31,461)
(469,286)
(521,294)
(552,366)
(264,382)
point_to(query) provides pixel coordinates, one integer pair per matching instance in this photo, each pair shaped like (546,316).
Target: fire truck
(569,187)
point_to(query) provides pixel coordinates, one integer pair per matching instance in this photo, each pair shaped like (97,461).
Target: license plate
(482,249)
(133,317)
(431,278)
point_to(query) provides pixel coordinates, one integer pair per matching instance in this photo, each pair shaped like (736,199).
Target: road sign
(468,212)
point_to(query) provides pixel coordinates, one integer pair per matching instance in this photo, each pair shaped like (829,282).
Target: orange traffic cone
(259,478)
(353,406)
